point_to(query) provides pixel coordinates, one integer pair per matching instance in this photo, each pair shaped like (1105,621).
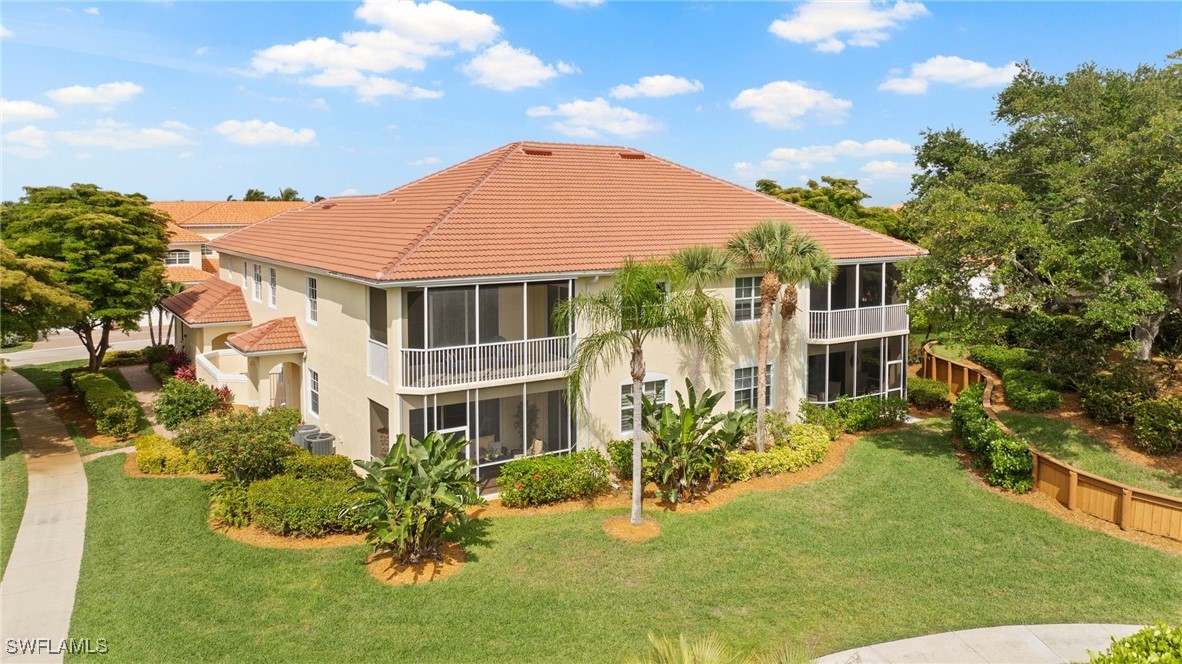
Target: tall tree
(842,198)
(632,309)
(254,195)
(111,247)
(34,299)
(694,269)
(1078,206)
(765,246)
(804,261)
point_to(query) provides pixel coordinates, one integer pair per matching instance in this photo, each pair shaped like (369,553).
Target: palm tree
(633,309)
(693,269)
(803,260)
(765,245)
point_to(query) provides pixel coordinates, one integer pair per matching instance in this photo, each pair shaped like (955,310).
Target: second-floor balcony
(861,322)
(483,363)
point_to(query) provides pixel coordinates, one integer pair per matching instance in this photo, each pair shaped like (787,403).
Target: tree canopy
(107,249)
(1078,207)
(285,194)
(842,198)
(34,299)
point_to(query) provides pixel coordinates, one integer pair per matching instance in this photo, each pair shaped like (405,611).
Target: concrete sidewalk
(1016,644)
(37,592)
(145,387)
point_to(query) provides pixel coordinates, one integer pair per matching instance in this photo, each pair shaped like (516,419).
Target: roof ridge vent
(537,152)
(631,155)
(328,206)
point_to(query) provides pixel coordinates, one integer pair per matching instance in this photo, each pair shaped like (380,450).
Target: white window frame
(206,251)
(311,300)
(172,254)
(257,288)
(626,397)
(273,284)
(769,388)
(245,278)
(313,393)
(755,299)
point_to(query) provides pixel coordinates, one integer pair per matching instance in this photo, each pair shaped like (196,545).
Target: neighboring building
(183,261)
(428,307)
(213,219)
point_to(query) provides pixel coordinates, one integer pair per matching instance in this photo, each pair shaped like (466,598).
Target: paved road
(66,346)
(37,592)
(1016,644)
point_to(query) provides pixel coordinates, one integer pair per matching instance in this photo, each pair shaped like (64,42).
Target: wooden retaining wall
(1128,507)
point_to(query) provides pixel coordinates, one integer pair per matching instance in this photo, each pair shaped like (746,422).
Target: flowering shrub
(242,445)
(553,478)
(177,359)
(186,372)
(180,401)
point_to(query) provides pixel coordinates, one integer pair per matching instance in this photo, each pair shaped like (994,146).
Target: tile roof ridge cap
(393,265)
(214,242)
(799,208)
(508,147)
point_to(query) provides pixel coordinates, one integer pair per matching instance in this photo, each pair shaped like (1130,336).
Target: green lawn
(20,345)
(14,484)
(896,543)
(1071,445)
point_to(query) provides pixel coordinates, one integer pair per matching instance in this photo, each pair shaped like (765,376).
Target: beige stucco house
(428,307)
(193,224)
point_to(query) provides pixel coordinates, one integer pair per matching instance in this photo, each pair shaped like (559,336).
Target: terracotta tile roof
(223,213)
(275,334)
(210,265)
(185,275)
(211,301)
(178,235)
(530,208)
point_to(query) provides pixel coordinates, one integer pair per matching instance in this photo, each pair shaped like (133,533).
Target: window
(746,384)
(177,257)
(274,290)
(206,251)
(314,393)
(258,283)
(654,389)
(313,314)
(747,298)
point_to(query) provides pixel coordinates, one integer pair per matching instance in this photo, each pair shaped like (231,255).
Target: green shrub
(802,446)
(228,505)
(1000,359)
(927,393)
(416,497)
(870,412)
(1069,347)
(161,371)
(68,375)
(1159,644)
(1030,391)
(241,444)
(967,409)
(180,401)
(619,454)
(1010,464)
(1110,398)
(123,358)
(553,478)
(157,353)
(683,453)
(827,418)
(1157,424)
(115,412)
(739,467)
(287,505)
(157,455)
(306,466)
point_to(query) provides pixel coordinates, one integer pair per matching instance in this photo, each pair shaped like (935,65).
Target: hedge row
(115,412)
(927,393)
(800,447)
(305,507)
(554,478)
(156,455)
(1006,460)
(1031,391)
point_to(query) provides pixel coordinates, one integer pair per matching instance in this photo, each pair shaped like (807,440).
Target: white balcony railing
(479,363)
(379,361)
(852,323)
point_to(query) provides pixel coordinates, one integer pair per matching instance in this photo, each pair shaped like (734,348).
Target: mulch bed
(621,528)
(70,409)
(131,469)
(383,567)
(256,536)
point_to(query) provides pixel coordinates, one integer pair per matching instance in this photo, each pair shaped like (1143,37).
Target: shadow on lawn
(472,534)
(930,438)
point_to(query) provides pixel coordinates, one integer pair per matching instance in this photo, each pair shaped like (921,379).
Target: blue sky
(202,100)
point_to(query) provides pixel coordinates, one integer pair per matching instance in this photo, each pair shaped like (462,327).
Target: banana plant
(683,448)
(415,497)
(732,432)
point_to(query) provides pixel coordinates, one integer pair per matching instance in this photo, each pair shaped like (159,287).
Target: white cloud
(576,4)
(201,51)
(504,67)
(887,170)
(408,34)
(319,104)
(184,155)
(587,119)
(93,11)
(28,136)
(17,110)
(122,136)
(351,191)
(106,94)
(257,132)
(786,104)
(831,26)
(951,70)
(662,85)
(807,157)
(84,156)
(175,124)
(5,32)
(425,161)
